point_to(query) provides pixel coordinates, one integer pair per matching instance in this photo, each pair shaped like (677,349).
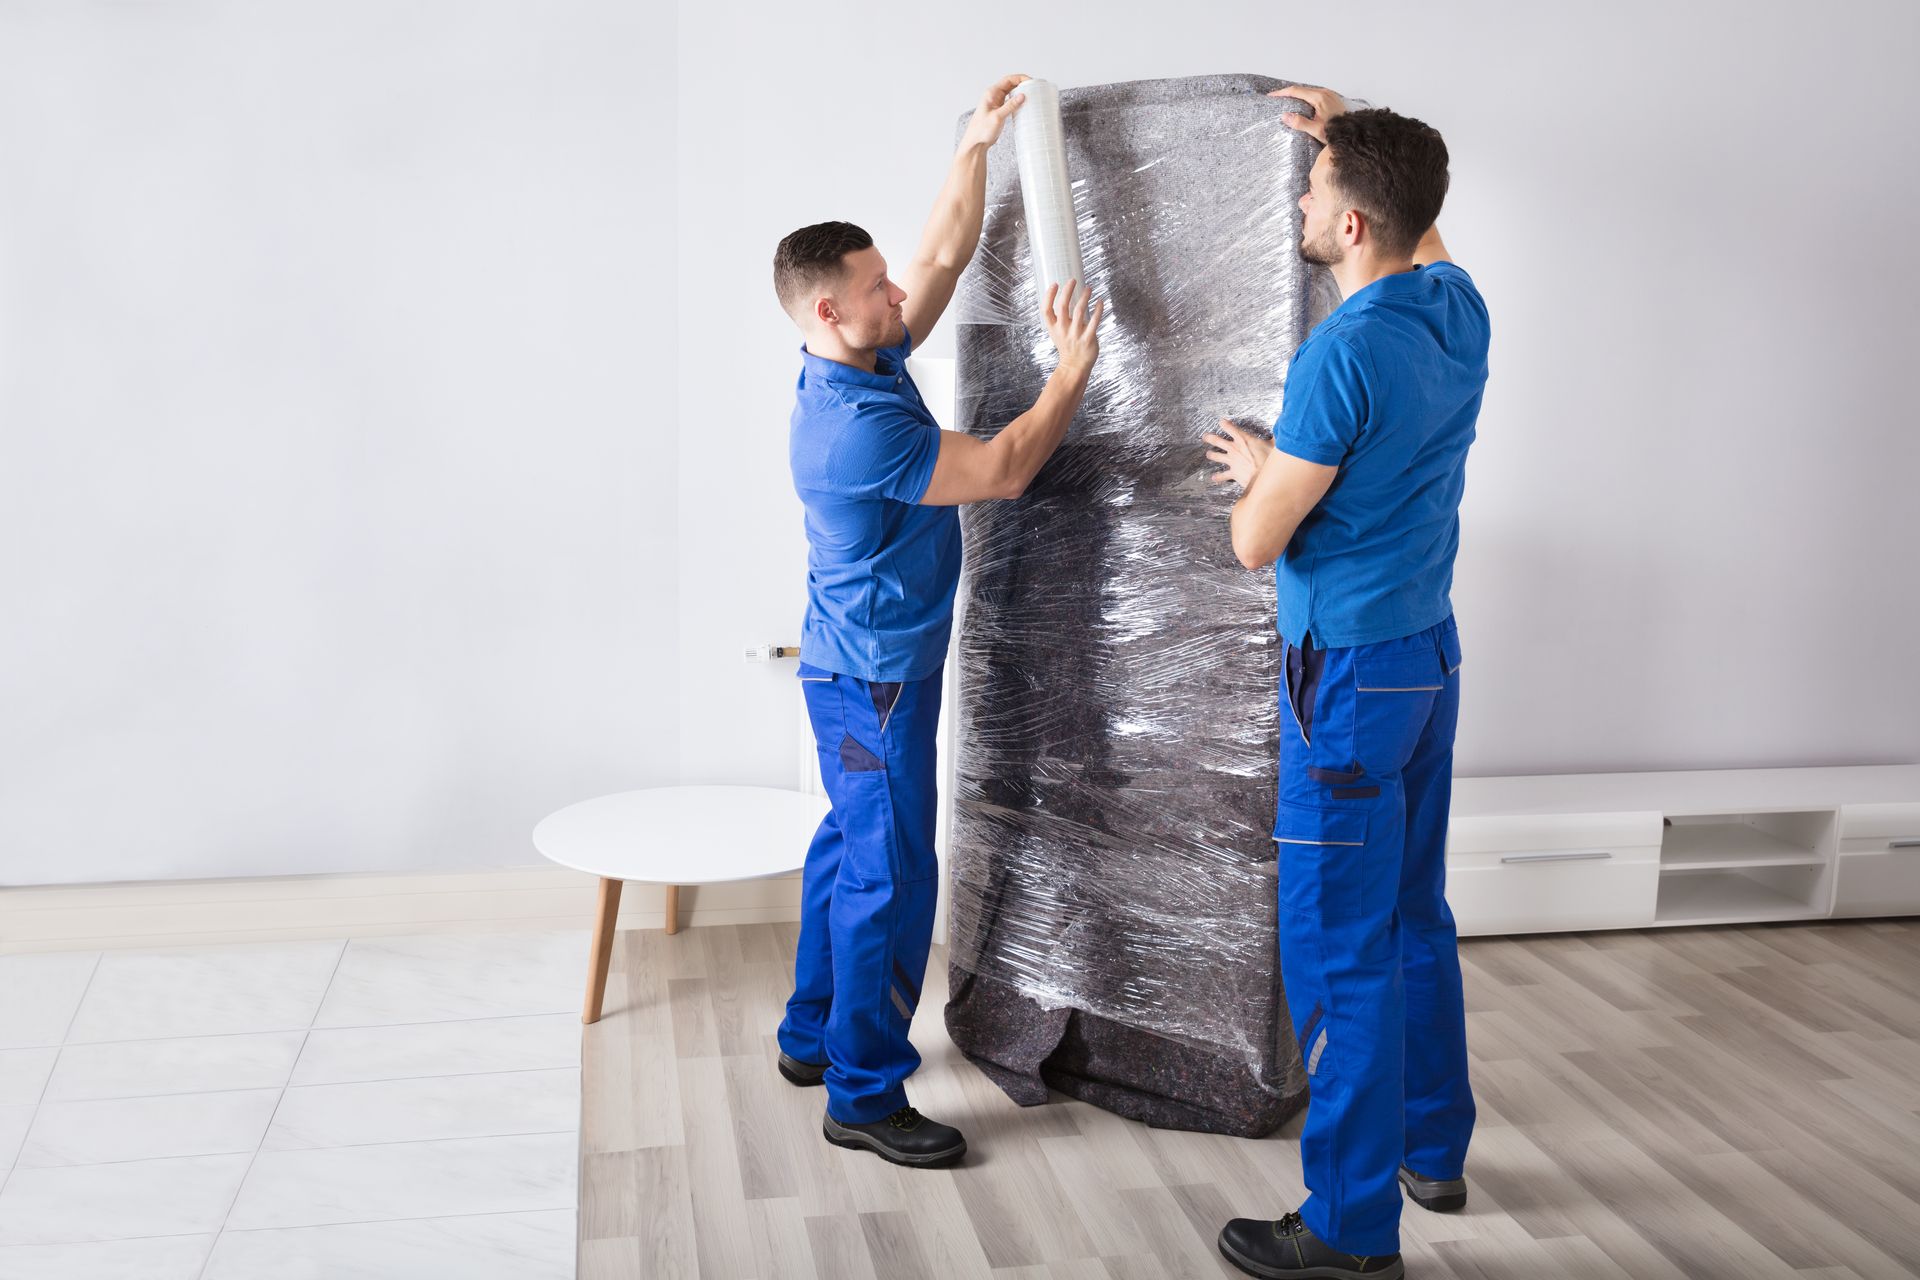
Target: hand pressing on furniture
(1277,491)
(1241,452)
(1268,512)
(1326,105)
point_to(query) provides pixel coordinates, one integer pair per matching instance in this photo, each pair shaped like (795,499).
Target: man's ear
(824,313)
(1353,225)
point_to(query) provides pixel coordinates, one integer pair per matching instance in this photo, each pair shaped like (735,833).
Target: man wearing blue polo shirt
(1356,504)
(880,482)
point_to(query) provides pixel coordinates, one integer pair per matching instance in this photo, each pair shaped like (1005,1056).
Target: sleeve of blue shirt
(1326,402)
(884,453)
(1452,272)
(1455,277)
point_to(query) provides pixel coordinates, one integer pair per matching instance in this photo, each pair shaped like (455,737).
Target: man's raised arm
(953,229)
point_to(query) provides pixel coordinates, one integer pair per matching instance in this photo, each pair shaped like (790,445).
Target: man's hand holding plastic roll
(997,106)
(1075,330)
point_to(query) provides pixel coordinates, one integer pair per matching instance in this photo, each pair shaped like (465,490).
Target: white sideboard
(1641,850)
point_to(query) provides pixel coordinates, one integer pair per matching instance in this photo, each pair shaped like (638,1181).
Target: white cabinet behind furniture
(1528,874)
(1634,850)
(1878,872)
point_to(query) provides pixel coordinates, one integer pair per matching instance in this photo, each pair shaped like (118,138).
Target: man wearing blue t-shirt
(880,482)
(1356,505)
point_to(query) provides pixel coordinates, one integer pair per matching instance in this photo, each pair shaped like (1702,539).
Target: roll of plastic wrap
(1045,190)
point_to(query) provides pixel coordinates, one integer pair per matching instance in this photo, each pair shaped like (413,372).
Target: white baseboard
(195,912)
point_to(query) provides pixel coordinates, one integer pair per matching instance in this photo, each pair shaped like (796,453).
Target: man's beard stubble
(1322,252)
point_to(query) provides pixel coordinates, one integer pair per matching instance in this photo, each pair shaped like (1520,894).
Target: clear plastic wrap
(1046,192)
(1113,905)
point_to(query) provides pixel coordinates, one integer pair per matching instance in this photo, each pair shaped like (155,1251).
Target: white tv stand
(1640,850)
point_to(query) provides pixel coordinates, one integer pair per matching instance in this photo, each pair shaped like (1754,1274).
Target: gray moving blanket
(1113,900)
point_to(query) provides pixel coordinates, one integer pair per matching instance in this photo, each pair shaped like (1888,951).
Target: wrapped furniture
(1113,904)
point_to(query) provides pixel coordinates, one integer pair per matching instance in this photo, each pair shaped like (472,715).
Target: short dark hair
(811,256)
(1393,169)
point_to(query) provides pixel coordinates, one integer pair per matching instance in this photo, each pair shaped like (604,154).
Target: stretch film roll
(1046,192)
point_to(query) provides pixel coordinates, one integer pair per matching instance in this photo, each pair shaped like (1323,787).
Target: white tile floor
(378,1109)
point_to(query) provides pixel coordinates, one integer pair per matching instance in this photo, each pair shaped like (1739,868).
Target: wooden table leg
(673,908)
(603,925)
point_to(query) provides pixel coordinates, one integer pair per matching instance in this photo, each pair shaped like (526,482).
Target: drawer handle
(1903,844)
(1573,855)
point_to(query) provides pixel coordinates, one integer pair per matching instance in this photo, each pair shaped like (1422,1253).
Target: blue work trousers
(868,890)
(1368,951)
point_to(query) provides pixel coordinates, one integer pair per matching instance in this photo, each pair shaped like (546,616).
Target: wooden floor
(1668,1105)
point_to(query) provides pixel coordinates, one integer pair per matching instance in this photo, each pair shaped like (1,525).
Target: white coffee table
(675,836)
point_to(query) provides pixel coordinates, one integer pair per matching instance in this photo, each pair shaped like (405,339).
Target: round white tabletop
(684,835)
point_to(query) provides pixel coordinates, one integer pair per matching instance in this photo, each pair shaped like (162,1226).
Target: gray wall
(374,477)
(333,345)
(1689,538)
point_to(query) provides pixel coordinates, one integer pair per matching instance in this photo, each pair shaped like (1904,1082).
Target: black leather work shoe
(1287,1250)
(802,1073)
(1442,1195)
(905,1137)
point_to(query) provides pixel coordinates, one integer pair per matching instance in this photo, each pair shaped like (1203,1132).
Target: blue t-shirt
(1387,388)
(881,569)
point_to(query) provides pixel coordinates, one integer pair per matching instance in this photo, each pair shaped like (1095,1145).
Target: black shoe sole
(855,1140)
(804,1081)
(1452,1202)
(1393,1271)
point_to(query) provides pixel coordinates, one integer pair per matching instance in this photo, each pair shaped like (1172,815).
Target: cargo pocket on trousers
(1393,700)
(1322,857)
(855,755)
(1302,685)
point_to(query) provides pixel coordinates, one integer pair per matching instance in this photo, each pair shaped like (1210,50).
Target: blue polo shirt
(881,569)
(1387,388)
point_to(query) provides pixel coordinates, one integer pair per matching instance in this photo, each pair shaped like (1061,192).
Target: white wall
(345,522)
(1689,538)
(336,369)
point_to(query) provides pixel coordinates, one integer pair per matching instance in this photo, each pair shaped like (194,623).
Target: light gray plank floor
(1666,1105)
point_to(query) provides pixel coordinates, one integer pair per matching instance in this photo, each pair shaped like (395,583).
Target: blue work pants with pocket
(868,890)
(1368,950)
